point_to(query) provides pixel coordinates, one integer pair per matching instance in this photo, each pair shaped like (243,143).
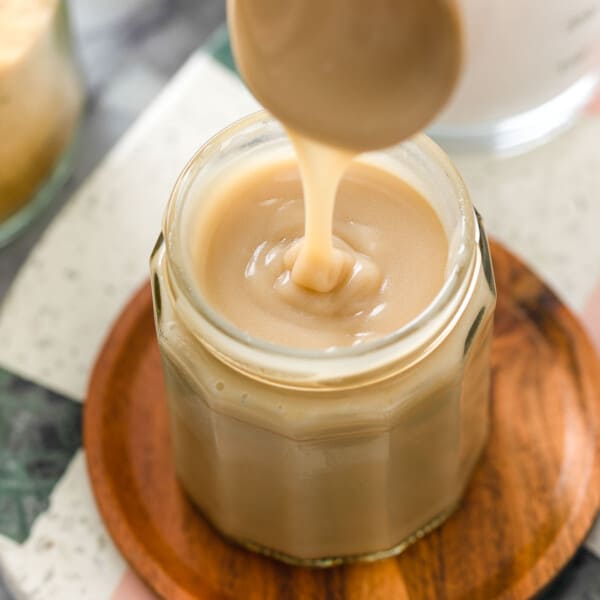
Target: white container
(531,66)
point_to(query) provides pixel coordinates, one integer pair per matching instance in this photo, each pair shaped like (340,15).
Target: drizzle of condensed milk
(343,76)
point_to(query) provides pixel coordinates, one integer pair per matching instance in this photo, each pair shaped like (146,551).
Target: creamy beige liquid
(250,233)
(353,75)
(40,97)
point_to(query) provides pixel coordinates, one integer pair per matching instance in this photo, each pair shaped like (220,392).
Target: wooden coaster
(530,503)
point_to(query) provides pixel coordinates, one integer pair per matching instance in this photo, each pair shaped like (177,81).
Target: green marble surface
(39,434)
(218,46)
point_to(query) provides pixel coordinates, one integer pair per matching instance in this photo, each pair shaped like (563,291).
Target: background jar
(530,68)
(41,96)
(321,456)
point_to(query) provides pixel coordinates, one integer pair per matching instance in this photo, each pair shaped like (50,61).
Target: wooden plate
(528,508)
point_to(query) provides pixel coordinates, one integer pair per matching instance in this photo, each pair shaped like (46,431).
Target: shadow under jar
(317,457)
(41,98)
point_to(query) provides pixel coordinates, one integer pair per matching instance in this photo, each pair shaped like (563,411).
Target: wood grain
(530,503)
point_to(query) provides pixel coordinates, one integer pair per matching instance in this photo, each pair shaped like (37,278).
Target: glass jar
(321,456)
(41,96)
(530,68)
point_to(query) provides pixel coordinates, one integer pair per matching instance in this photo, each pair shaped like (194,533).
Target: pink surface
(595,106)
(591,316)
(132,587)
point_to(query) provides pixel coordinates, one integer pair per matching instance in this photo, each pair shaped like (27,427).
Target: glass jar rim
(196,306)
